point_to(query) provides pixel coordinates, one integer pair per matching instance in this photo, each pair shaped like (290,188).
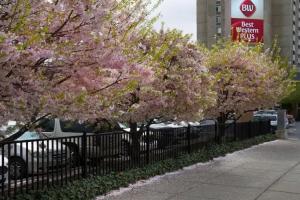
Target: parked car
(127,142)
(265,116)
(162,134)
(265,112)
(27,154)
(100,145)
(3,171)
(270,115)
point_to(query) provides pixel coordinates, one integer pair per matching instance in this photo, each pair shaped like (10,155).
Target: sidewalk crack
(277,180)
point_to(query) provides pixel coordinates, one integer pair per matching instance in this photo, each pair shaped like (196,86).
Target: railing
(39,164)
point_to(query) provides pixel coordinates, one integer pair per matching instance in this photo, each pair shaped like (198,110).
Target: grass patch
(94,186)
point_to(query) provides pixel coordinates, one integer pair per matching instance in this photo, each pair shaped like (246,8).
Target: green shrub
(91,187)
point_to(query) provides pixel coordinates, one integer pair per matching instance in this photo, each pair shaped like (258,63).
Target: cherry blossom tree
(179,87)
(180,83)
(97,59)
(246,78)
(50,47)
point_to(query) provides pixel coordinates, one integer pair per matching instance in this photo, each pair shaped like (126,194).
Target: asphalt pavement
(269,171)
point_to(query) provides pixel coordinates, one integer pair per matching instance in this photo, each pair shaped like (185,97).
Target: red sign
(249,30)
(248,8)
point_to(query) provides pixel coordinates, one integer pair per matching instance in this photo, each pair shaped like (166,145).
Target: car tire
(75,159)
(17,168)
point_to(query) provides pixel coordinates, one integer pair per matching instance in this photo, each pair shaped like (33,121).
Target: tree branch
(110,85)
(63,24)
(62,80)
(25,128)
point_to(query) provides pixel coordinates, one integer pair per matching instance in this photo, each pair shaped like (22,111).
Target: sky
(180,14)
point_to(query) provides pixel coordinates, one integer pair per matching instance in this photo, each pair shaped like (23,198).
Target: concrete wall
(282,27)
(268,23)
(227,16)
(202,21)
(206,21)
(211,22)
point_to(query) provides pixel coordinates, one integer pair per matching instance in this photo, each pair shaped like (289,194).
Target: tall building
(281,21)
(270,19)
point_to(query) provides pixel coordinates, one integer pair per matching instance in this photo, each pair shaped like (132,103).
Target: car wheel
(125,148)
(74,154)
(17,168)
(3,175)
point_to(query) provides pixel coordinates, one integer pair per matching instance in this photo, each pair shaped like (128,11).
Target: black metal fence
(38,164)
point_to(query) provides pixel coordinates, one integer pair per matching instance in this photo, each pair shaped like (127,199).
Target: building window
(219,20)
(218,9)
(219,30)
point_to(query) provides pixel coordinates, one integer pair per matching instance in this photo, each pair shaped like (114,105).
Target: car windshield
(264,118)
(266,112)
(10,128)
(30,135)
(272,118)
(257,118)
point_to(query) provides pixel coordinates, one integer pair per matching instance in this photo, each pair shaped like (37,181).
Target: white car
(126,143)
(32,153)
(3,171)
(99,146)
(265,112)
(162,139)
(269,115)
(157,140)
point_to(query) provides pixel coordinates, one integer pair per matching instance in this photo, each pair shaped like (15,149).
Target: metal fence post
(234,131)
(249,129)
(261,132)
(189,139)
(216,131)
(84,159)
(271,129)
(148,144)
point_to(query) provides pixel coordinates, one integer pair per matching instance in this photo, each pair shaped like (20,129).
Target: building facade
(281,21)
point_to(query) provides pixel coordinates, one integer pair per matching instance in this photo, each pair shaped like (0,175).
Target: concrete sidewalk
(269,171)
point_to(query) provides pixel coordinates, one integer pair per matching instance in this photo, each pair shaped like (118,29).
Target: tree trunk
(221,120)
(135,144)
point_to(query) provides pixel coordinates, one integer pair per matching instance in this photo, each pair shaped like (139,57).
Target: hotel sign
(247,20)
